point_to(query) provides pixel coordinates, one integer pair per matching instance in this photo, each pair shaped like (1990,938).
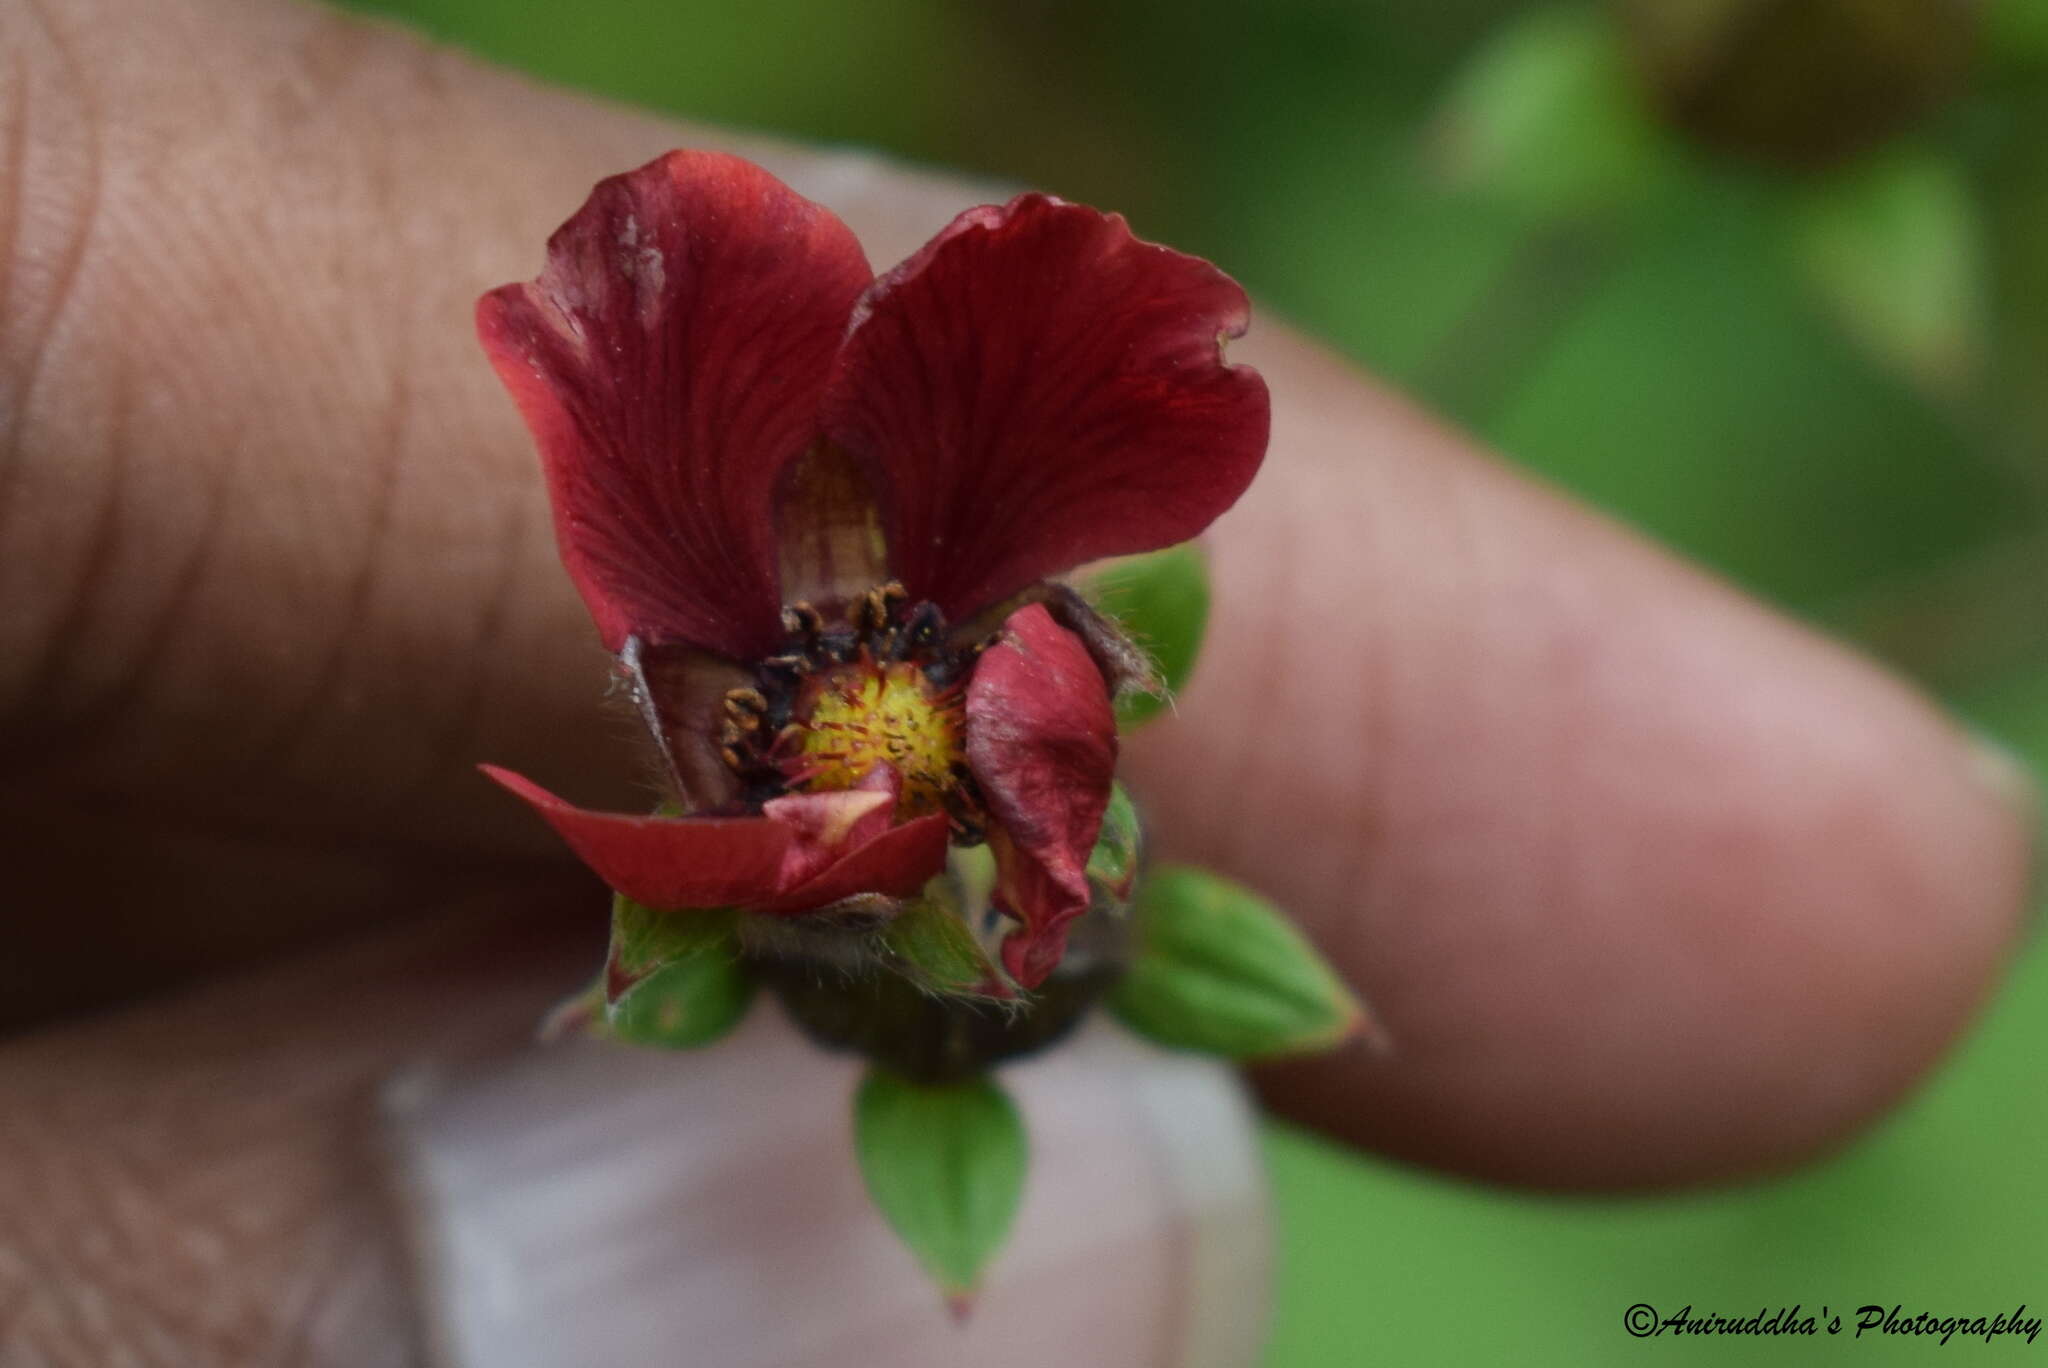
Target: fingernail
(592,1204)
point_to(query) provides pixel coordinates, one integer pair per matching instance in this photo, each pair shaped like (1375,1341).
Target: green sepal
(1162,602)
(945,1166)
(1220,970)
(934,948)
(1113,864)
(673,979)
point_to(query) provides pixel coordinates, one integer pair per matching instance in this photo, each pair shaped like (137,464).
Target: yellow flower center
(867,714)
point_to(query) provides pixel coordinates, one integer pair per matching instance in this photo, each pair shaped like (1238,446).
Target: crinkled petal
(670,362)
(1041,742)
(805,851)
(1036,388)
(679,692)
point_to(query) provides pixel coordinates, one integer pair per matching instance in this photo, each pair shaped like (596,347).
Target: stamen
(802,620)
(876,687)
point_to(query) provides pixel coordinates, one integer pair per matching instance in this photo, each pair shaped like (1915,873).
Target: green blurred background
(1768,279)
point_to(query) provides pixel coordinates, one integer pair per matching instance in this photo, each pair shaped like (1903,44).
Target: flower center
(879,686)
(871,713)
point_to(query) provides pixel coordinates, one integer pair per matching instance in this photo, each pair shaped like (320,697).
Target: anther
(802,620)
(870,614)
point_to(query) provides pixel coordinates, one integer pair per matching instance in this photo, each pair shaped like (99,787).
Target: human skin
(1647,885)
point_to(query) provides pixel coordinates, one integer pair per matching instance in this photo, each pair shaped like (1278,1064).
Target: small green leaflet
(673,979)
(1162,600)
(1221,971)
(946,1168)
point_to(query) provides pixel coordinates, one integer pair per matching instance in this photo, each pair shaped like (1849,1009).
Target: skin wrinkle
(40,746)
(122,703)
(463,733)
(295,735)
(13,171)
(45,689)
(73,250)
(45,662)
(330,55)
(276,1168)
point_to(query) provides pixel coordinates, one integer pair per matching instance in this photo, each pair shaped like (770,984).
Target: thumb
(212,1175)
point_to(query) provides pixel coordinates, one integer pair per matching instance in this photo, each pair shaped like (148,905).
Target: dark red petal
(805,851)
(679,692)
(668,861)
(670,362)
(1041,741)
(1036,388)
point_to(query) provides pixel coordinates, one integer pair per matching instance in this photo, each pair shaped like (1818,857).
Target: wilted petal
(679,692)
(1041,741)
(805,851)
(670,361)
(1036,388)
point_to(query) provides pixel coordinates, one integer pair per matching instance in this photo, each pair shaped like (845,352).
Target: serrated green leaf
(1113,864)
(945,1166)
(673,979)
(1162,601)
(1894,248)
(936,947)
(1220,970)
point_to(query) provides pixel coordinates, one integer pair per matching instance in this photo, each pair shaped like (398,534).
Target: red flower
(815,513)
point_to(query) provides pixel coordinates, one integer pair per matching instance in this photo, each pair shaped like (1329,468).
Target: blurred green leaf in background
(1813,355)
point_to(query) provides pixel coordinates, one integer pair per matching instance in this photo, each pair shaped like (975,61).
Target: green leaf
(1113,865)
(936,947)
(1220,970)
(1545,120)
(945,1166)
(1162,600)
(673,979)
(1894,248)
